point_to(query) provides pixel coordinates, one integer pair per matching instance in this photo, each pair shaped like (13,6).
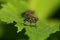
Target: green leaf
(12,12)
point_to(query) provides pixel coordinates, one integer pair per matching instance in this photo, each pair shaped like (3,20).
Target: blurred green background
(12,10)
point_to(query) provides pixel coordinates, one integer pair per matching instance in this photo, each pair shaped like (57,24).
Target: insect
(31,20)
(28,17)
(27,13)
